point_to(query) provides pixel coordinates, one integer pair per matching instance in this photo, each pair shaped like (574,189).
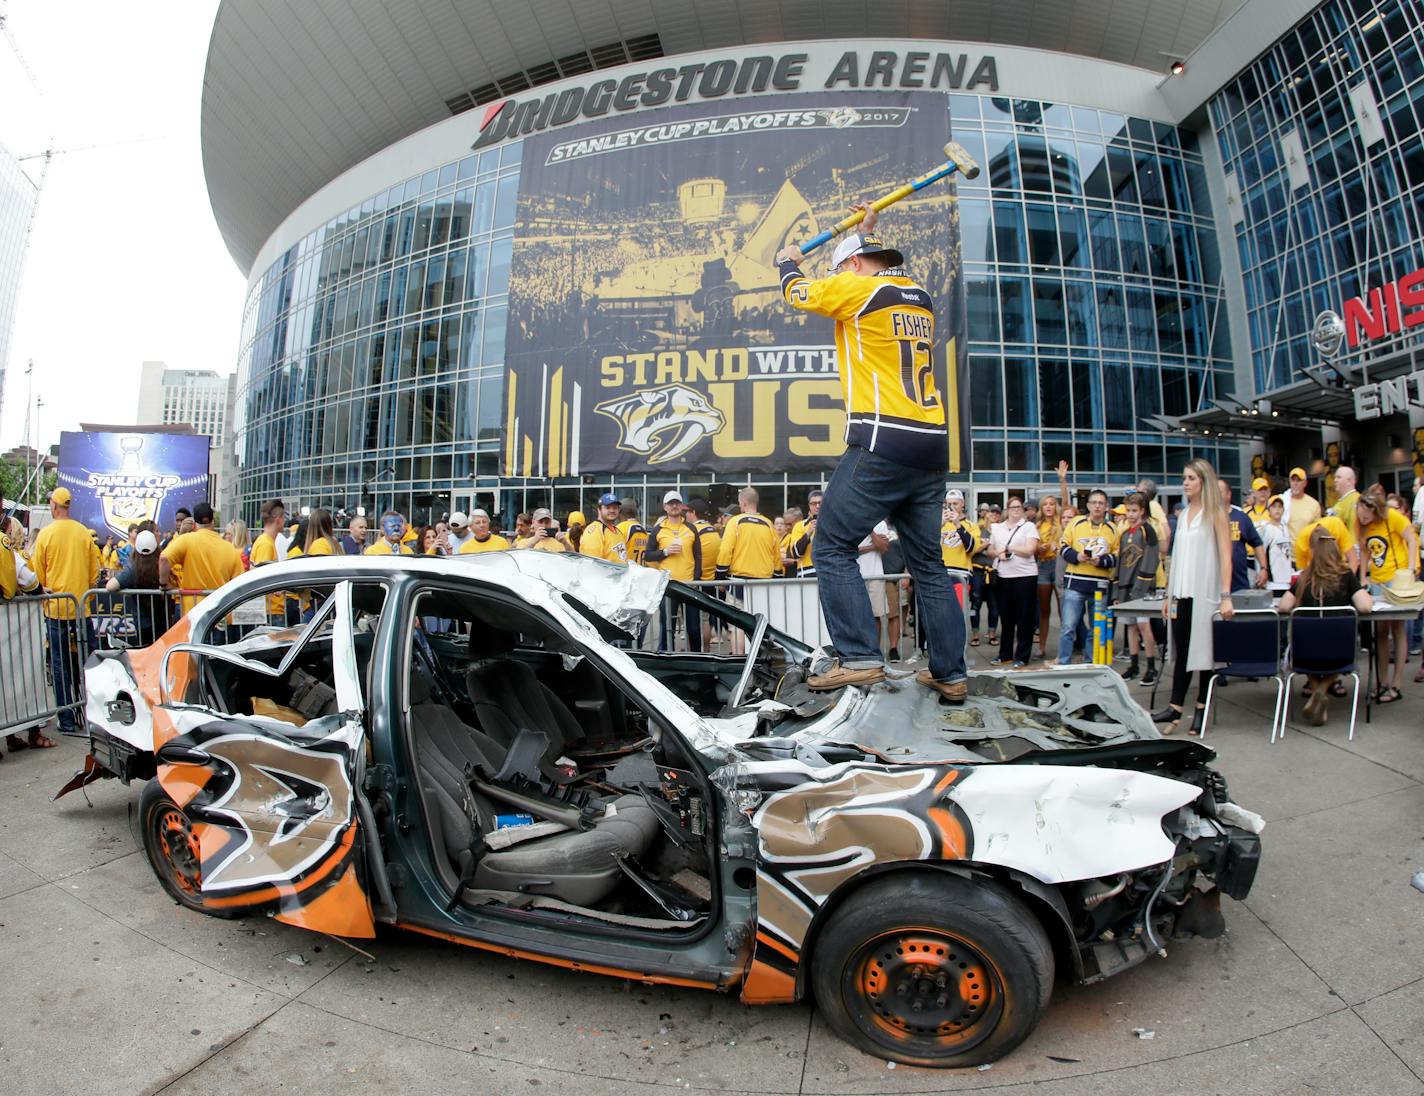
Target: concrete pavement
(1318,985)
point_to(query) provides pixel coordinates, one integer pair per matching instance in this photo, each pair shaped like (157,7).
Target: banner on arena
(121,479)
(647,331)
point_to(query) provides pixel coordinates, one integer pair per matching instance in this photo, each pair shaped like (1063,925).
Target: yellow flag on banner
(787,220)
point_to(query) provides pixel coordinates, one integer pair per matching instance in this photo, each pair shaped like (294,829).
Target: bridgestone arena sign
(874,69)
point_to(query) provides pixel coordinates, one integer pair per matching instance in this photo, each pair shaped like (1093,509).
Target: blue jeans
(864,489)
(66,659)
(1072,611)
(1075,611)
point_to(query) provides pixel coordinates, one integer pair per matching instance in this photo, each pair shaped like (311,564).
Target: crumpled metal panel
(1007,714)
(624,596)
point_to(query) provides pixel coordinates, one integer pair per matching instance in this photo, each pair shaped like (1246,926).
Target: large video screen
(120,479)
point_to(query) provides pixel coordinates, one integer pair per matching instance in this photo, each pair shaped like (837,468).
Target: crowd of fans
(1009,566)
(1362,550)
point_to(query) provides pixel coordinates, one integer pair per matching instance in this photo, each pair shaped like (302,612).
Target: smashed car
(476,749)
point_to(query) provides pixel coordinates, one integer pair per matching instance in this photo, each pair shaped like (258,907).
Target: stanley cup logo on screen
(646,322)
(124,508)
(123,479)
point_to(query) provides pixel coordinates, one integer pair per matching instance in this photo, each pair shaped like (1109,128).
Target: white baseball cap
(145,544)
(954,494)
(458,520)
(479,514)
(864,243)
(672,496)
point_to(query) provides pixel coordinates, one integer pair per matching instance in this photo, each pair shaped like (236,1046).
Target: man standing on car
(897,449)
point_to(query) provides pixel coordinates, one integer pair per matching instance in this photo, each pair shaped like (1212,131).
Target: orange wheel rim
(924,989)
(182,857)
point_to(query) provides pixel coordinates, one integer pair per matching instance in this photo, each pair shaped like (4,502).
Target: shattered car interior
(483,751)
(508,720)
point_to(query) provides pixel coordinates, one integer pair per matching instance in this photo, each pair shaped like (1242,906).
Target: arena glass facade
(1351,218)
(372,350)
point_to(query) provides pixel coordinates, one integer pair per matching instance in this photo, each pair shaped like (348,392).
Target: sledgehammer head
(955,153)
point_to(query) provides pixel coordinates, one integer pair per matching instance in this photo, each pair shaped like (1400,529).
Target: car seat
(576,866)
(509,697)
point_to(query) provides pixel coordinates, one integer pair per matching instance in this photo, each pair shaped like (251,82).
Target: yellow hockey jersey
(885,334)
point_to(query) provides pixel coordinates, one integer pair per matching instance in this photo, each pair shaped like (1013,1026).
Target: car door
(275,807)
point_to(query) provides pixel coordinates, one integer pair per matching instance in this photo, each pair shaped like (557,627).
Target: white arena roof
(298,91)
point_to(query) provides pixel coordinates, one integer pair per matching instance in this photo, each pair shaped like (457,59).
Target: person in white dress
(1013,546)
(1198,587)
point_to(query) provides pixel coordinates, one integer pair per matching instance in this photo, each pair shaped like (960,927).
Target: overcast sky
(125,263)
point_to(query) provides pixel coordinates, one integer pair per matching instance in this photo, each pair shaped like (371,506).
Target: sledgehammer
(956,160)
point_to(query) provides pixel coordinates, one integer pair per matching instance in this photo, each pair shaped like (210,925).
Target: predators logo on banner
(647,331)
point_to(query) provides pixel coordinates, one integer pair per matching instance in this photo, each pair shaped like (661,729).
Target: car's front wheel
(172,849)
(932,969)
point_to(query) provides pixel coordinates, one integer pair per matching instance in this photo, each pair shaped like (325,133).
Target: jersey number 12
(917,372)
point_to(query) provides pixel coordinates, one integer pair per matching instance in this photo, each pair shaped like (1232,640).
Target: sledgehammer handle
(959,160)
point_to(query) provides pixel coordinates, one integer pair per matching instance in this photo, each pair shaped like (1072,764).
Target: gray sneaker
(839,676)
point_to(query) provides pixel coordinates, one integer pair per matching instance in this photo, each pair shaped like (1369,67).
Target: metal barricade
(125,619)
(42,648)
(793,606)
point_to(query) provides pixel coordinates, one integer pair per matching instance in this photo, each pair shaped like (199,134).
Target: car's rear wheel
(172,849)
(933,970)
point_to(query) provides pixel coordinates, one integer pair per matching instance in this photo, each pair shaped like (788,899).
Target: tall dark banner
(647,332)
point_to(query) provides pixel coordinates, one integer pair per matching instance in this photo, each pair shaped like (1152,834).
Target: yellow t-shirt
(382,547)
(1301,512)
(207,561)
(951,547)
(535,543)
(66,561)
(263,552)
(604,542)
(492,543)
(683,565)
(1050,538)
(322,547)
(1344,507)
(1385,547)
(749,547)
(711,546)
(1337,529)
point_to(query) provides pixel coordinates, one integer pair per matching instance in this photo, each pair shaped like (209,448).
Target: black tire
(173,850)
(974,960)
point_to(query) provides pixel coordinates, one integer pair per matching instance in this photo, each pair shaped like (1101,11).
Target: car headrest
(487,642)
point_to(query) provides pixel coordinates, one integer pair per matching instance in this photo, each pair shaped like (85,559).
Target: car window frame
(350,695)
